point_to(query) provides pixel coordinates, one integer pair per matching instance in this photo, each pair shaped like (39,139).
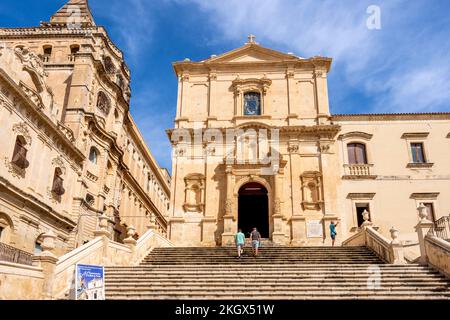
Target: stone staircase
(278,273)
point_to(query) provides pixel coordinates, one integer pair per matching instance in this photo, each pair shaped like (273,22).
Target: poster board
(89,282)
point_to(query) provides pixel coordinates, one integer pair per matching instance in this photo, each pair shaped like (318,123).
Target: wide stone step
(423,295)
(278,282)
(277,273)
(243,293)
(284,267)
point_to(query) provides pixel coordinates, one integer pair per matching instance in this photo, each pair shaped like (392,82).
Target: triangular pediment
(252,53)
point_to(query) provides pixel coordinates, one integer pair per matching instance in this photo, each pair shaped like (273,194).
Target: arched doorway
(253,209)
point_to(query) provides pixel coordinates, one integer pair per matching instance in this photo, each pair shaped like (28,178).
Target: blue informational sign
(89,282)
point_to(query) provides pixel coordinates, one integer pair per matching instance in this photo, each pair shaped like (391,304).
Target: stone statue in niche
(194,193)
(312,190)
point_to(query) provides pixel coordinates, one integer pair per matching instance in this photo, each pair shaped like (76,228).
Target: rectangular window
(430,211)
(356,153)
(1,231)
(418,154)
(360,208)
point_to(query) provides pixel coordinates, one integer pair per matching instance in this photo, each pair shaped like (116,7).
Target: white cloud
(397,66)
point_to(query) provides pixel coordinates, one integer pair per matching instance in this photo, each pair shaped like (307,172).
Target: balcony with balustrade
(358,172)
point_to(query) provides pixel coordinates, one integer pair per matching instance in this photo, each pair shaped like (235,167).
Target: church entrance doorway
(253,209)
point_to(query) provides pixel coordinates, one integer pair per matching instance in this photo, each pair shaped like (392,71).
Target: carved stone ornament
(194,197)
(58,162)
(103,103)
(229,206)
(32,62)
(325,147)
(277,207)
(180,151)
(312,190)
(15,170)
(22,129)
(293,147)
(243,85)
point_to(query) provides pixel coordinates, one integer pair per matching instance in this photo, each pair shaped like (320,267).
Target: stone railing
(54,278)
(438,254)
(358,169)
(391,251)
(11,254)
(433,251)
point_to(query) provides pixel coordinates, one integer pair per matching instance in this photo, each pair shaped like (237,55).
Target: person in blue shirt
(239,239)
(333,232)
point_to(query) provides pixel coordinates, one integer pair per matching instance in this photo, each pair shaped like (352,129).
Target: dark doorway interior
(360,207)
(253,209)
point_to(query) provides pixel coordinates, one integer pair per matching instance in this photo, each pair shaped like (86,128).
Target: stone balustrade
(391,251)
(358,169)
(53,278)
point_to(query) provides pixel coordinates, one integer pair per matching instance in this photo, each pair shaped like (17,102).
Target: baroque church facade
(255,145)
(70,149)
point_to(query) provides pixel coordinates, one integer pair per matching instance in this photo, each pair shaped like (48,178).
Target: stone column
(228,218)
(47,261)
(422,229)
(277,235)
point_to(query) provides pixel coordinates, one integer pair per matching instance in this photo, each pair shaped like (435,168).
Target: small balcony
(358,172)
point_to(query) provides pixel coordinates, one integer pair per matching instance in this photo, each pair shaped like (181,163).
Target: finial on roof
(251,39)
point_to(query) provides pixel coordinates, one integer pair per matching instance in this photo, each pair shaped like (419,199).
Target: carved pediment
(252,52)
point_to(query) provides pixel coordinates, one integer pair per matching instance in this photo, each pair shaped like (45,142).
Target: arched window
(90,199)
(6,227)
(252,104)
(58,182)
(356,153)
(103,103)
(93,155)
(47,53)
(74,49)
(20,153)
(38,246)
(109,65)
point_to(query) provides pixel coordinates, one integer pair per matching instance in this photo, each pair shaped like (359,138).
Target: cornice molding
(361,196)
(355,134)
(318,131)
(415,135)
(391,116)
(28,199)
(424,195)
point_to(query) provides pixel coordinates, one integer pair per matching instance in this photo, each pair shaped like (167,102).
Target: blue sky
(402,67)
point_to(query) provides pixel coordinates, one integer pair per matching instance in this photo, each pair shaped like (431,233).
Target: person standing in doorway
(255,236)
(333,232)
(239,239)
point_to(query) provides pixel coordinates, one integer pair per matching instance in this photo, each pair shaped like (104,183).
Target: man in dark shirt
(255,236)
